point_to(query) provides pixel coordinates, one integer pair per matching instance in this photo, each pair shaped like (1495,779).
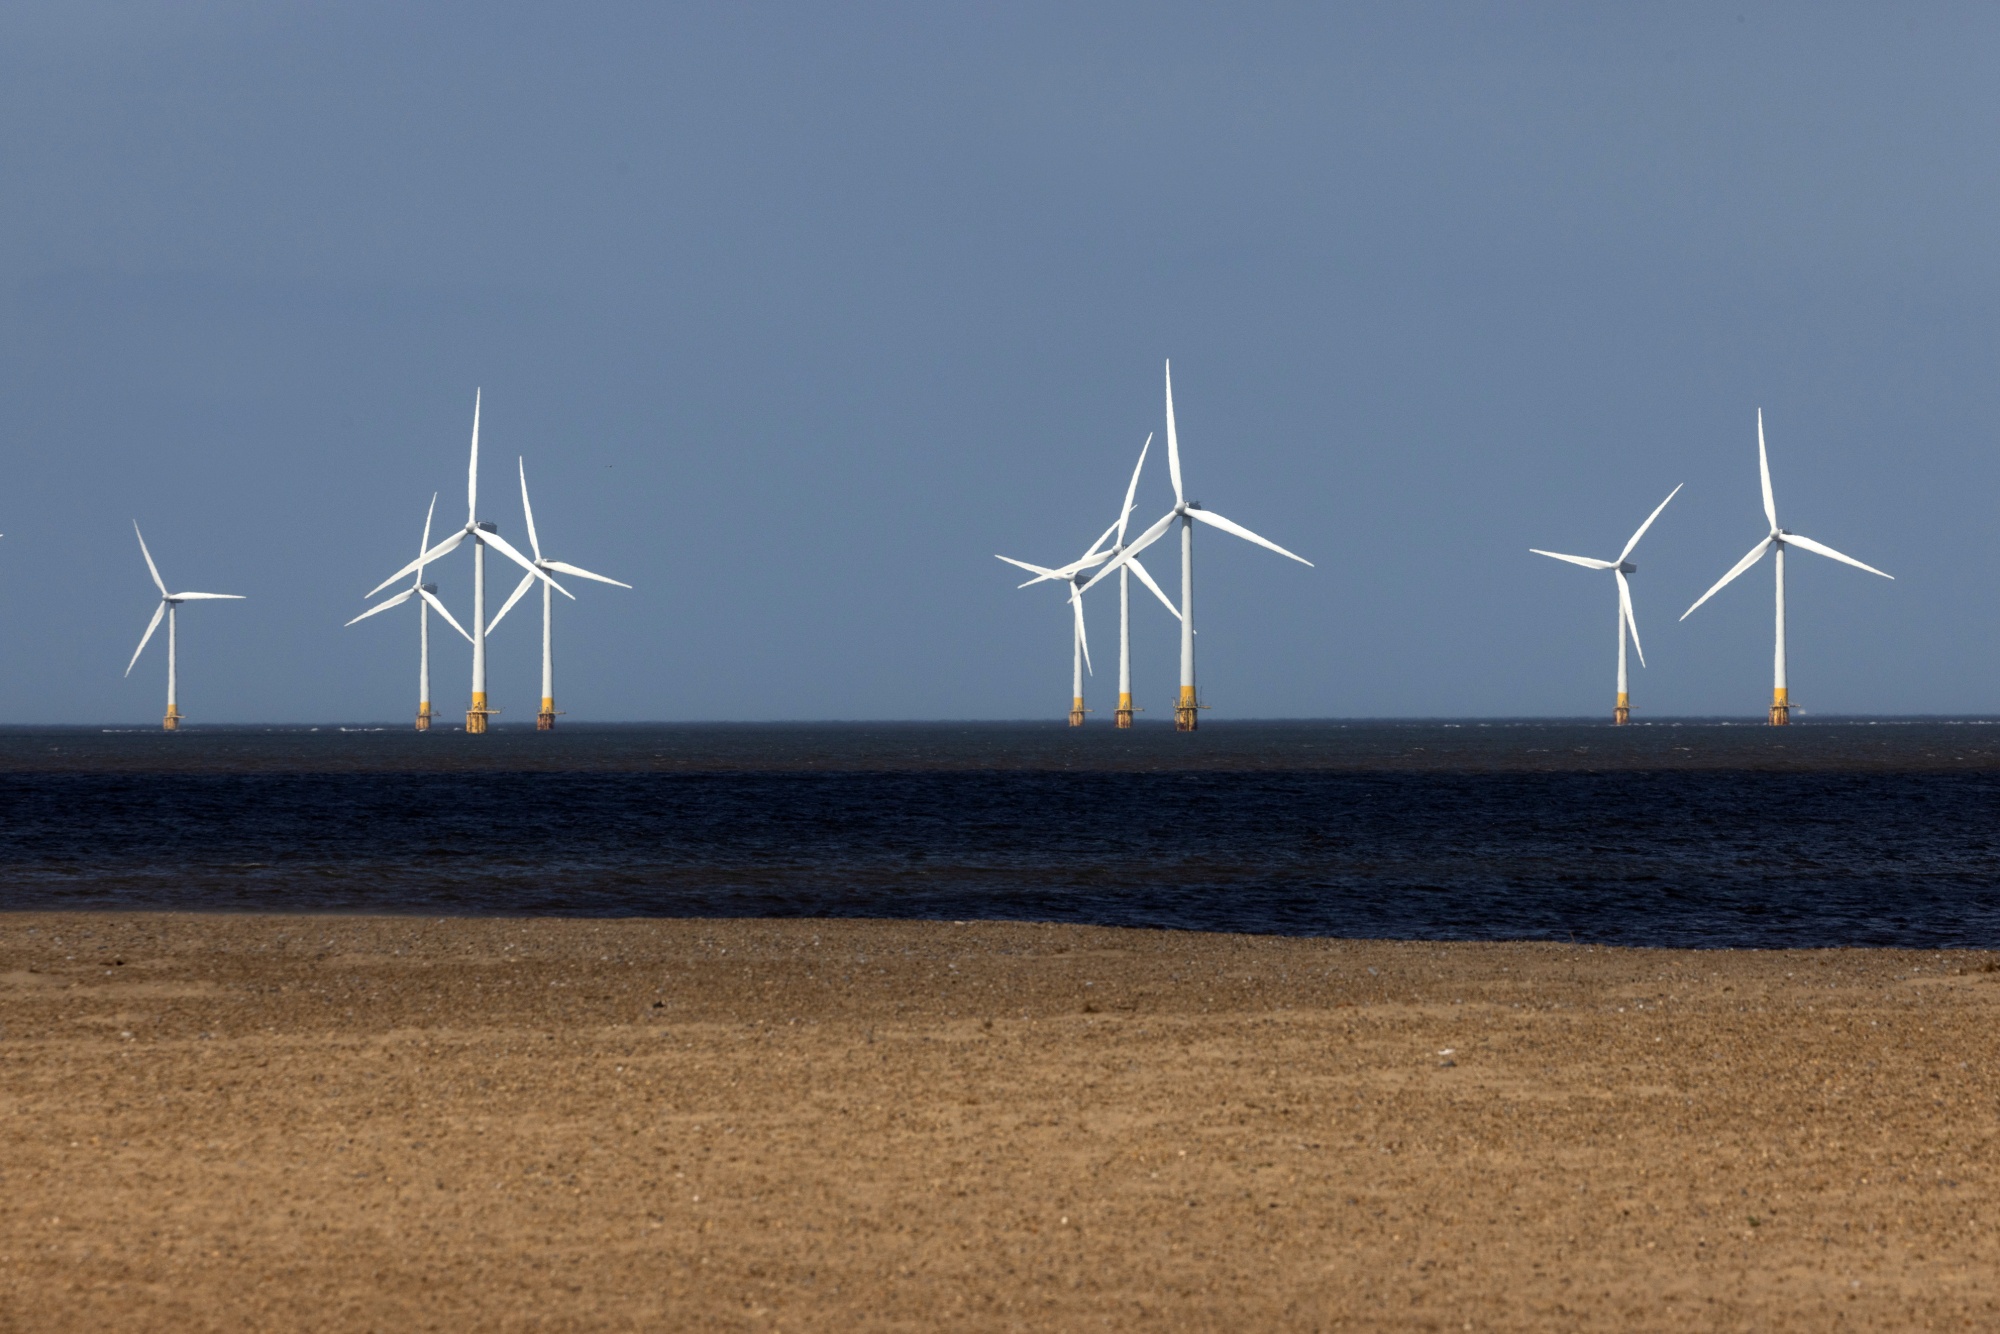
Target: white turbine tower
(168,603)
(1072,574)
(1621,713)
(483,535)
(1779,539)
(1187,511)
(426,595)
(545,720)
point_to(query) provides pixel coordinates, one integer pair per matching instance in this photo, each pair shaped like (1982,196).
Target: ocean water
(1683,834)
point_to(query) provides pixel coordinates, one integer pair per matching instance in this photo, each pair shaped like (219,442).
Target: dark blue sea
(1681,834)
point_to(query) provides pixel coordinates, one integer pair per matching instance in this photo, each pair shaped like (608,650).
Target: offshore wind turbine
(1187,511)
(1072,574)
(168,603)
(426,595)
(483,535)
(1621,713)
(545,720)
(1778,540)
(1123,716)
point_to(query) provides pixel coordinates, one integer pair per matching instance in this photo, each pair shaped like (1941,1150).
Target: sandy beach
(343,1123)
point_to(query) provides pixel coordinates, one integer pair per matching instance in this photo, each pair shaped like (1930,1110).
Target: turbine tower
(1778,540)
(168,603)
(483,535)
(1621,713)
(545,721)
(426,595)
(1072,575)
(1187,511)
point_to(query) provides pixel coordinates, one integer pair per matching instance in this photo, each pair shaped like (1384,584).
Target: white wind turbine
(1187,511)
(1779,539)
(1072,574)
(168,603)
(1622,712)
(546,719)
(483,535)
(426,595)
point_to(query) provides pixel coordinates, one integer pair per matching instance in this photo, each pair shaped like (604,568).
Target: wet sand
(339,1123)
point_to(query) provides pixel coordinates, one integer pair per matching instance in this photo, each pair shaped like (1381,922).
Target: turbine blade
(1229,526)
(566,568)
(1587,562)
(534,543)
(1756,554)
(472,469)
(379,607)
(527,582)
(1764,473)
(449,544)
(1082,637)
(1091,556)
(208,597)
(1132,488)
(439,608)
(1147,580)
(1144,540)
(1647,524)
(157,581)
(1039,573)
(505,548)
(1173,442)
(1794,540)
(159,612)
(424,545)
(1625,612)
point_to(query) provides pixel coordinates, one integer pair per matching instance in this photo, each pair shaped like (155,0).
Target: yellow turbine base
(1076,711)
(1622,714)
(545,721)
(172,722)
(475,717)
(424,716)
(1185,719)
(1123,717)
(1781,706)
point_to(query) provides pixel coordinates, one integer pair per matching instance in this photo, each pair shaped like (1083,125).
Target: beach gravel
(347,1123)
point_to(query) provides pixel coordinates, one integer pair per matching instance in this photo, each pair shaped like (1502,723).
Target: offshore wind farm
(752,907)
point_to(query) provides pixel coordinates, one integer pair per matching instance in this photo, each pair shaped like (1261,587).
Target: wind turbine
(483,535)
(1072,574)
(1187,511)
(545,720)
(1622,712)
(1779,539)
(168,603)
(426,595)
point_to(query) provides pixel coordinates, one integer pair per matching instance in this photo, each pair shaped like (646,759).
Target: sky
(799,314)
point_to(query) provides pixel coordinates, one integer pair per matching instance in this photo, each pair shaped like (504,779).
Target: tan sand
(401,1124)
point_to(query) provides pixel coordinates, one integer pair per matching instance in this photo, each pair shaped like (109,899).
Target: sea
(1691,833)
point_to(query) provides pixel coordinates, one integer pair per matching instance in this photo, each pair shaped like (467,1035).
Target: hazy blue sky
(800,313)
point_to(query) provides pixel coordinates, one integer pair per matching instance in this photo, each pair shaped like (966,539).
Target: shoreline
(345,1122)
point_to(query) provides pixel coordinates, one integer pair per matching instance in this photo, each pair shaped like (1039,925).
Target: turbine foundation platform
(424,716)
(1185,712)
(1622,714)
(1076,711)
(1781,707)
(545,721)
(1123,717)
(172,722)
(475,717)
